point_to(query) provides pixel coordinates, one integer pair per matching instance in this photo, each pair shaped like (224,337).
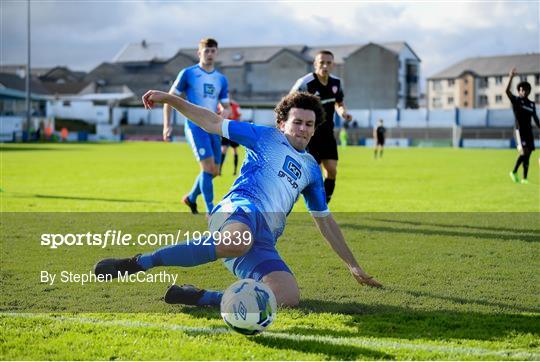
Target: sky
(81,35)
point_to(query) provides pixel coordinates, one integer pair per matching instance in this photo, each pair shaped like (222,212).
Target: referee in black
(323,145)
(524,109)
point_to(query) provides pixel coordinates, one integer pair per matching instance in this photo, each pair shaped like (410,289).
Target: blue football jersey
(205,89)
(273,175)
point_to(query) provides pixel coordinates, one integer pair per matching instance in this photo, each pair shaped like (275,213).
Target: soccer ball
(248,307)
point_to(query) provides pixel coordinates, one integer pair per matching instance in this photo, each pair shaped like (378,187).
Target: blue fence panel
(473,117)
(413,118)
(500,118)
(441,118)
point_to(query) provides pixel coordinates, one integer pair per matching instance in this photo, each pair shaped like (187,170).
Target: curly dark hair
(526,87)
(301,100)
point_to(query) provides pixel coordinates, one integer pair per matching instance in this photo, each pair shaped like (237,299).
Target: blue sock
(207,188)
(196,189)
(186,254)
(210,297)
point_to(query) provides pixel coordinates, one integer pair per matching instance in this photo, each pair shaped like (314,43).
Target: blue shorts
(263,258)
(203,144)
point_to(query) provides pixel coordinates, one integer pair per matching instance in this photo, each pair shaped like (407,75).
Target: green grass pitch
(453,240)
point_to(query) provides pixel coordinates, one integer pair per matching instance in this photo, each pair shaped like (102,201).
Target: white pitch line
(343,341)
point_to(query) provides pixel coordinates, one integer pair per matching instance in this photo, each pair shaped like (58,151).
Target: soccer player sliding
(252,216)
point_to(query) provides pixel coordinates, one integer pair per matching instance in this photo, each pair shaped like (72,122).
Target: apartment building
(481,82)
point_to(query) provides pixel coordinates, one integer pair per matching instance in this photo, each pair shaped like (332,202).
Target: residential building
(374,75)
(481,82)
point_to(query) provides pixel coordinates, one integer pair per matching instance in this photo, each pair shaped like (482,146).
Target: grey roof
(398,46)
(17,68)
(138,77)
(343,51)
(237,56)
(141,51)
(64,88)
(491,66)
(340,51)
(12,81)
(62,72)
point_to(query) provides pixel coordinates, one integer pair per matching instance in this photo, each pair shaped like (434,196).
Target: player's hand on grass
(363,278)
(152,97)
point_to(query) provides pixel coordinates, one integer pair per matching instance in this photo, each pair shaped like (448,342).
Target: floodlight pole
(28,100)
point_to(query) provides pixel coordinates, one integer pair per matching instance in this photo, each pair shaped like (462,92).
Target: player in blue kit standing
(204,86)
(246,224)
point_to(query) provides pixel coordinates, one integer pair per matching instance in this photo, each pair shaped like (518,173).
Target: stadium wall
(405,127)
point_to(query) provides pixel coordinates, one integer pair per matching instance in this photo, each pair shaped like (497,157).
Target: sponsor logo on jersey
(334,89)
(209,90)
(291,171)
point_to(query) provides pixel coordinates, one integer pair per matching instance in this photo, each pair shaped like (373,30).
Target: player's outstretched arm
(511,75)
(332,233)
(167,128)
(207,120)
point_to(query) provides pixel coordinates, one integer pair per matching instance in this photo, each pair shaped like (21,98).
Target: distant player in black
(323,145)
(524,109)
(378,138)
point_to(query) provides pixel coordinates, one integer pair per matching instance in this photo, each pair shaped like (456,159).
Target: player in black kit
(524,109)
(323,145)
(378,139)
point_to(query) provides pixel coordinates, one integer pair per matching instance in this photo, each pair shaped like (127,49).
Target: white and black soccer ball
(248,306)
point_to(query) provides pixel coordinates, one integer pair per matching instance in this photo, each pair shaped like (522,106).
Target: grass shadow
(440,233)
(494,229)
(83,198)
(385,321)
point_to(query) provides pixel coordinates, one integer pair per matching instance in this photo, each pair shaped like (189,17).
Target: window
(465,81)
(450,82)
(523,78)
(466,92)
(483,101)
(437,102)
(465,104)
(450,101)
(498,98)
(537,79)
(498,79)
(483,82)
(537,98)
(437,85)
(66,103)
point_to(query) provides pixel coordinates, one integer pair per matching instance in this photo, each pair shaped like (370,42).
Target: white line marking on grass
(342,341)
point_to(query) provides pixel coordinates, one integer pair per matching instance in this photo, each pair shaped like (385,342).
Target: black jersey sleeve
(340,96)
(512,98)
